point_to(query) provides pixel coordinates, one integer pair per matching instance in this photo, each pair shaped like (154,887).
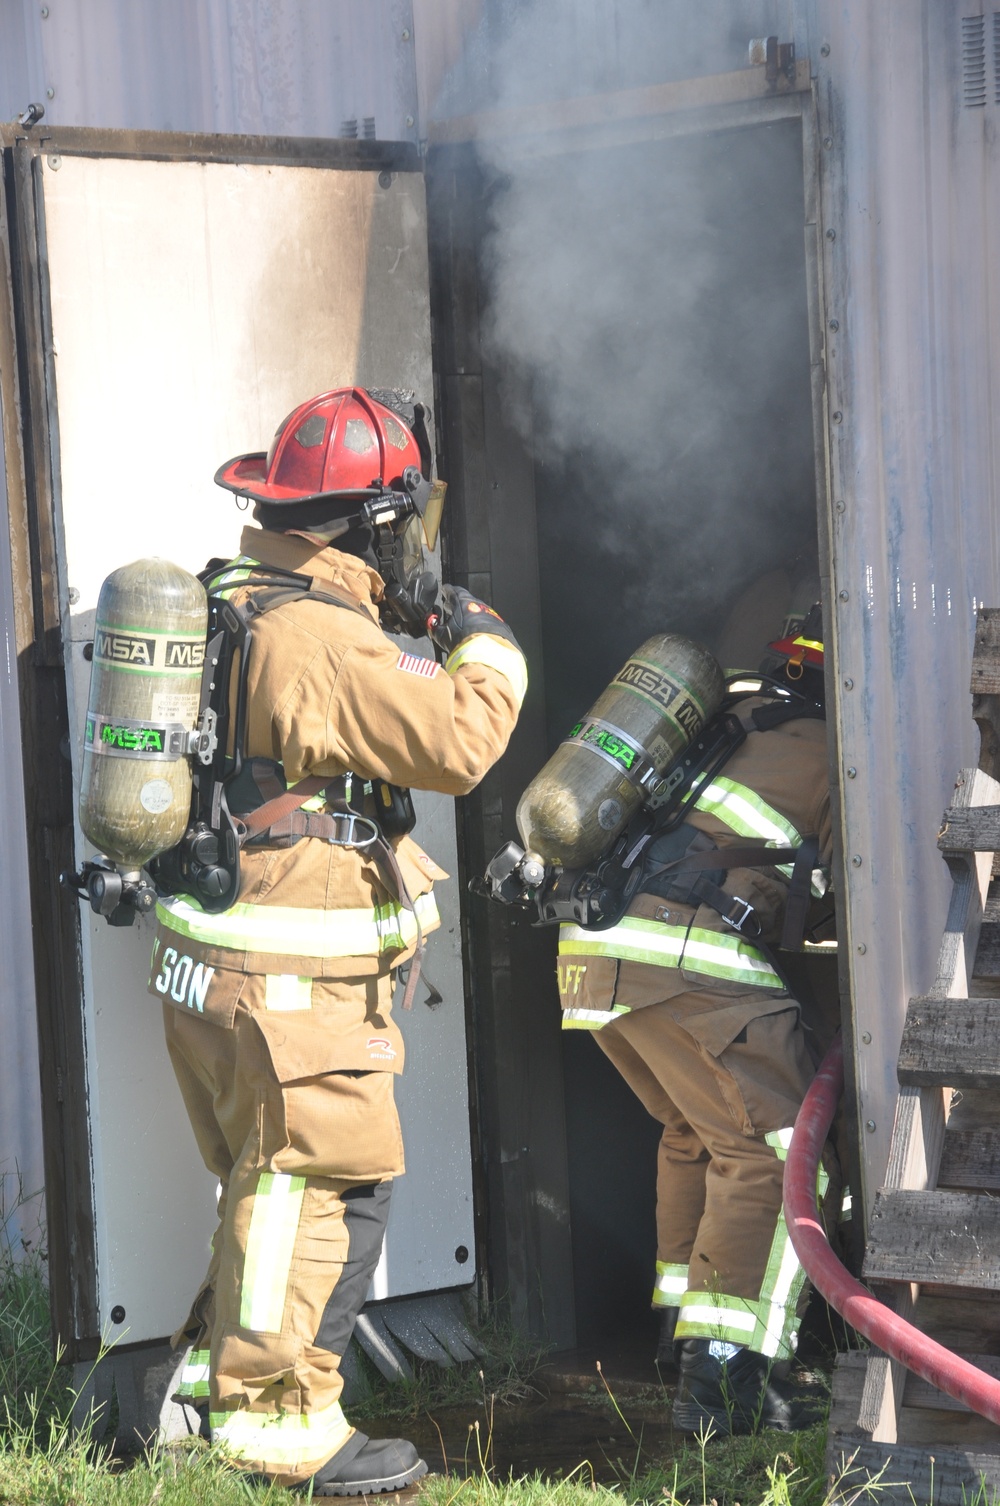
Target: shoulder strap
(271,596)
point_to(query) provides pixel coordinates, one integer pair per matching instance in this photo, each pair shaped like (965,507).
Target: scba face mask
(402,528)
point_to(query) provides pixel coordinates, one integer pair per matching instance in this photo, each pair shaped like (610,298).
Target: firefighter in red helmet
(686,997)
(286,1065)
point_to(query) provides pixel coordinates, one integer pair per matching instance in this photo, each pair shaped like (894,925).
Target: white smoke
(646,312)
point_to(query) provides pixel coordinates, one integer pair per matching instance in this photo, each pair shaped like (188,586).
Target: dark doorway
(673,489)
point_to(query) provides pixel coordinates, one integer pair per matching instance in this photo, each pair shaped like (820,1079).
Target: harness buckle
(738,916)
(352,821)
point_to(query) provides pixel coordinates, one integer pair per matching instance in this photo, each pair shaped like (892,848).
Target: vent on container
(974,61)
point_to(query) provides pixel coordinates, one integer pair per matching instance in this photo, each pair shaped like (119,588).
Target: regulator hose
(876,1322)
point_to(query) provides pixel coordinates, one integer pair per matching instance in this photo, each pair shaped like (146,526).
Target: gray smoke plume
(646,309)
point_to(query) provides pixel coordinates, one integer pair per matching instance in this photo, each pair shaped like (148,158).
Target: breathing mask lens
(433,512)
(411,537)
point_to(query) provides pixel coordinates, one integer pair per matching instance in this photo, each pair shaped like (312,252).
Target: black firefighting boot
(367,1466)
(733,1389)
(666,1349)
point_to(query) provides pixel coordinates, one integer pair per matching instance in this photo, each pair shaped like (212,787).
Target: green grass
(43,1462)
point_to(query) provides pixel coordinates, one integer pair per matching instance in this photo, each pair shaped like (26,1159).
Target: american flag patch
(415,664)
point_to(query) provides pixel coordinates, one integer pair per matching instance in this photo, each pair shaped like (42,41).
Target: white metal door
(193,304)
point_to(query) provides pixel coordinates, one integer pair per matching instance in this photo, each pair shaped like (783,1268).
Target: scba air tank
(145,683)
(596,779)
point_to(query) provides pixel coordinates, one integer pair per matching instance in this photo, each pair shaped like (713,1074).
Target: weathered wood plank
(987,964)
(971,1158)
(976,829)
(851,1458)
(950,1041)
(920,1393)
(951,1477)
(950,1238)
(971,873)
(922,1111)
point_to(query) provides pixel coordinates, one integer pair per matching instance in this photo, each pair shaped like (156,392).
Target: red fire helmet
(342,443)
(803,649)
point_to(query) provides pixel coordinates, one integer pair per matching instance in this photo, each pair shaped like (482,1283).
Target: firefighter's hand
(460,615)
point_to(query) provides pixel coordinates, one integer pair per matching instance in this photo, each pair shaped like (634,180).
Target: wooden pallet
(933,1251)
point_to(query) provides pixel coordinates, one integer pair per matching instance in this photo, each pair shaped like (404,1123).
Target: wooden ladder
(933,1251)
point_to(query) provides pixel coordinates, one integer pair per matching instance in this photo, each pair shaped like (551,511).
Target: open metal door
(172,299)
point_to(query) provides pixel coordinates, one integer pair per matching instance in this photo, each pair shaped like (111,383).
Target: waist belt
(282,821)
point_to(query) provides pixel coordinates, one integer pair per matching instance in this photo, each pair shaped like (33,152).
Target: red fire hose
(870,1317)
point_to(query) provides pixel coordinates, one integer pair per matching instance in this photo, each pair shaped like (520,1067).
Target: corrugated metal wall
(263,67)
(911,197)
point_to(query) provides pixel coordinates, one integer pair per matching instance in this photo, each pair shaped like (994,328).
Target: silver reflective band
(622,752)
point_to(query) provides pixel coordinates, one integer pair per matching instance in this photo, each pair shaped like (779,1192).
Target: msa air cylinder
(149,647)
(612,760)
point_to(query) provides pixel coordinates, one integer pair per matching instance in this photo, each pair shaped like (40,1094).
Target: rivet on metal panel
(856,860)
(50,94)
(828,142)
(824,51)
(409,121)
(835,325)
(870,1125)
(831,235)
(461,1254)
(118,1314)
(852,773)
(843,595)
(385,180)
(866,1039)
(55,162)
(840,506)
(45,13)
(862,949)
(837,416)
(405,33)
(848,684)
(74,596)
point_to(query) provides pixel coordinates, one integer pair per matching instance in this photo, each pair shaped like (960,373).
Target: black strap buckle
(739,915)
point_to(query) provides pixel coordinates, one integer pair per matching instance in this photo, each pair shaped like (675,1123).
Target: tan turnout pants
(726,1084)
(292,1108)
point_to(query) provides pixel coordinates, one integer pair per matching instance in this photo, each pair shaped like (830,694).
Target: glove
(460,616)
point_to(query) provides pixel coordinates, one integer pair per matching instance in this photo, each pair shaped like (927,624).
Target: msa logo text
(124,648)
(130,739)
(570,977)
(182,979)
(183,654)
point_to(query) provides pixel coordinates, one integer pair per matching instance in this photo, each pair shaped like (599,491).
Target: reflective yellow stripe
(779,1141)
(284,991)
(288,931)
(281,1441)
(710,1316)
(233,576)
(671,1284)
(745,813)
(591,1019)
(697,950)
(808,643)
(194,1376)
(498,654)
(274,1224)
